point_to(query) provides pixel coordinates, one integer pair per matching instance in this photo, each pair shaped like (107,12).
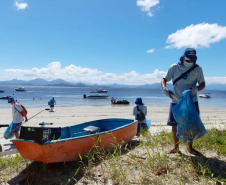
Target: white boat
(20,89)
(96,96)
(2,91)
(100,90)
(205,95)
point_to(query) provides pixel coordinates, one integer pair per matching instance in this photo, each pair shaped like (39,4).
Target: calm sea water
(38,96)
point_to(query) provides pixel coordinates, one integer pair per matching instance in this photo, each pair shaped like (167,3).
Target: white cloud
(54,71)
(21,6)
(74,74)
(146,5)
(150,51)
(215,80)
(54,65)
(199,35)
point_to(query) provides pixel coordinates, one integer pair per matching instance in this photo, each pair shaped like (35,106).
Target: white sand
(65,116)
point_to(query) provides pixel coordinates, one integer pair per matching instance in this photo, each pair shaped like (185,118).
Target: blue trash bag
(8,134)
(189,124)
(148,122)
(50,102)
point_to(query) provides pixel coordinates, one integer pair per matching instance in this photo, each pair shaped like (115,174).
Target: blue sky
(110,41)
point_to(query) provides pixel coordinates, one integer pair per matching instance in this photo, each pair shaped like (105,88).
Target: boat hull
(71,149)
(20,89)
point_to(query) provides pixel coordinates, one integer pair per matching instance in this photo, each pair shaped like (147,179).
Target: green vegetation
(215,139)
(142,161)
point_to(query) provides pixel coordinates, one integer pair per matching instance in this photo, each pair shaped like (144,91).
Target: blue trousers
(142,126)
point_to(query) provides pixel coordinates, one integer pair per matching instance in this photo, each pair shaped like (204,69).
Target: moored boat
(5,97)
(20,89)
(2,90)
(62,144)
(125,102)
(205,95)
(100,90)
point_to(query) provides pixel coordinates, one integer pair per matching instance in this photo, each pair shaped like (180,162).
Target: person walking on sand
(17,110)
(51,103)
(189,81)
(140,108)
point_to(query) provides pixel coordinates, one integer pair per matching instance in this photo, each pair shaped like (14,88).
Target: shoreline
(201,106)
(66,116)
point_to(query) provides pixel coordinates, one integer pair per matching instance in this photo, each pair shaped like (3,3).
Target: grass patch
(215,139)
(142,161)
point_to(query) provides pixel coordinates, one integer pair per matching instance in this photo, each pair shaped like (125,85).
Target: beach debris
(160,172)
(130,161)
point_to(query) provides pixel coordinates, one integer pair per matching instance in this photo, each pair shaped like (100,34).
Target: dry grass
(142,161)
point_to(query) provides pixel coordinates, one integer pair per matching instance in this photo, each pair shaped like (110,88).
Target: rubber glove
(193,90)
(166,91)
(169,93)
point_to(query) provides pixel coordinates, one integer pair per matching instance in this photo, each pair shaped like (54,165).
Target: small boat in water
(95,96)
(121,102)
(5,97)
(113,101)
(205,95)
(20,89)
(62,144)
(100,90)
(2,91)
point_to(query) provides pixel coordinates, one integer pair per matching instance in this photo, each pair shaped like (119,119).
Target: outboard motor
(84,95)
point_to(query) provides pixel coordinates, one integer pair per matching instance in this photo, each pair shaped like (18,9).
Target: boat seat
(91,129)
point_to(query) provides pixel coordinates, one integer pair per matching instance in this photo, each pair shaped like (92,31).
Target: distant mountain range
(63,83)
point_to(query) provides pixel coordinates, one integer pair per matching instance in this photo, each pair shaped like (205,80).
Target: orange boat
(62,144)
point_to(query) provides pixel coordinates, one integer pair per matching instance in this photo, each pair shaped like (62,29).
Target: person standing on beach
(113,100)
(51,103)
(140,107)
(17,117)
(189,81)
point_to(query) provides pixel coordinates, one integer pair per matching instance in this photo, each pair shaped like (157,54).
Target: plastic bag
(8,134)
(189,124)
(148,122)
(50,102)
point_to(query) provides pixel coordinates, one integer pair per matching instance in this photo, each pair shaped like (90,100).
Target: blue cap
(190,54)
(139,101)
(10,99)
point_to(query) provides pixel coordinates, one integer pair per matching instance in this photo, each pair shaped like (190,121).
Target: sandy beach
(65,116)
